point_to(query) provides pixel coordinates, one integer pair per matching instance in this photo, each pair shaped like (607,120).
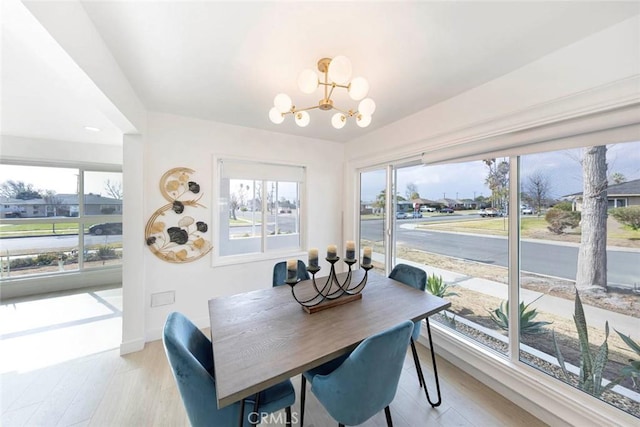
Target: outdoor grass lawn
(16,230)
(531,227)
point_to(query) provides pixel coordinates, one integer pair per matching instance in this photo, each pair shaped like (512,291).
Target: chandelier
(336,73)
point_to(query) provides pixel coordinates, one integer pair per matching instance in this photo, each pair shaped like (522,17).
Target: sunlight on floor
(39,333)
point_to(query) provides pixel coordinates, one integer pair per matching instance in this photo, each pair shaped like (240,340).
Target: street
(547,258)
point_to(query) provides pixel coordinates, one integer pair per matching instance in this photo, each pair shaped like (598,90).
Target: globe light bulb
(276,116)
(302,118)
(358,88)
(363,120)
(340,70)
(308,81)
(367,107)
(282,102)
(338,120)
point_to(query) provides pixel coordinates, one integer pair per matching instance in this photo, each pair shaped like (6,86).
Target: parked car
(427,209)
(417,215)
(106,228)
(446,210)
(527,211)
(490,212)
(401,215)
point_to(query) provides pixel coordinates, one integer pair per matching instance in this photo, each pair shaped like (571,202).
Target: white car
(527,211)
(427,209)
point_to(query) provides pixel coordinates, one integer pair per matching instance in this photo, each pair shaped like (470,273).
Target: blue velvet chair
(191,358)
(280,272)
(417,278)
(355,387)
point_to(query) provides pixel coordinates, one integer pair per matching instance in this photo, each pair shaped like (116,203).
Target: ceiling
(225,61)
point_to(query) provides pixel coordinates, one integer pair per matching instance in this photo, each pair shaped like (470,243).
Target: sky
(466,180)
(60,180)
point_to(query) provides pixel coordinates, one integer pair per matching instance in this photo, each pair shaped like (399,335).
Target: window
(46,228)
(259,207)
(478,251)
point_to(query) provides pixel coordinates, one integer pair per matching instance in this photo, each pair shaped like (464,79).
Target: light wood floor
(60,366)
(138,390)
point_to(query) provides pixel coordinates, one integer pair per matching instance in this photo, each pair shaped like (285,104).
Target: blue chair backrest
(191,358)
(280,272)
(414,277)
(410,276)
(367,380)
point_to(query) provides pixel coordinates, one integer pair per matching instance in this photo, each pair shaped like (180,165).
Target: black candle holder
(325,293)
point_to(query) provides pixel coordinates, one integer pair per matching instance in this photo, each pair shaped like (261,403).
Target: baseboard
(131,346)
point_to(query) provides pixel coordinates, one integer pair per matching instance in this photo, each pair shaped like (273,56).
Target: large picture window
(567,244)
(47,228)
(259,207)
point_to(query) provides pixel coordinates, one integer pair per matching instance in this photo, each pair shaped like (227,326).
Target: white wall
(173,141)
(53,151)
(600,71)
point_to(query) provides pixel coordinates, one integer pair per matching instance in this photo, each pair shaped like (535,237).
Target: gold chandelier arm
(334,84)
(294,110)
(346,113)
(330,92)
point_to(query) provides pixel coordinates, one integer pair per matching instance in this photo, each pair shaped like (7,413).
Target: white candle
(351,249)
(292,269)
(313,257)
(332,251)
(366,257)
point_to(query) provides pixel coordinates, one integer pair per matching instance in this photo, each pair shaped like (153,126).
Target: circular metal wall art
(171,234)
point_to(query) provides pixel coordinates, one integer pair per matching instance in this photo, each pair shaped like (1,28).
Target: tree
(498,181)
(381,201)
(618,178)
(18,190)
(537,188)
(629,216)
(114,189)
(592,255)
(412,191)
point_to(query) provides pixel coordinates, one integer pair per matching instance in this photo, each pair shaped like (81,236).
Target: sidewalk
(596,317)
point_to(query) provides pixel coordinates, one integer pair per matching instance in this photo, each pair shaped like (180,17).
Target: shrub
(528,326)
(564,206)
(627,216)
(46,259)
(591,366)
(22,262)
(633,369)
(560,219)
(106,252)
(437,287)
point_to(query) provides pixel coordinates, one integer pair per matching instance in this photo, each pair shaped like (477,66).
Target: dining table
(263,337)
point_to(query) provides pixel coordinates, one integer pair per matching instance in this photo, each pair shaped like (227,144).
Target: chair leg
(387,413)
(416,362)
(303,393)
(287,411)
(256,406)
(241,420)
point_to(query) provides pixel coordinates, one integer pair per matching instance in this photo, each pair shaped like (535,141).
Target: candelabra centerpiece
(333,291)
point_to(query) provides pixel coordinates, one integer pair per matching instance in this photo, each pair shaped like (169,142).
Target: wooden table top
(263,337)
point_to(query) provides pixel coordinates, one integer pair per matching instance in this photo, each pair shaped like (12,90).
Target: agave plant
(437,287)
(528,326)
(633,369)
(591,365)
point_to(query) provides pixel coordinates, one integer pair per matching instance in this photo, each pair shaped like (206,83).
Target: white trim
(131,346)
(17,286)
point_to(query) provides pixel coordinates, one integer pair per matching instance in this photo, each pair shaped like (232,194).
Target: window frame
(276,170)
(83,221)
